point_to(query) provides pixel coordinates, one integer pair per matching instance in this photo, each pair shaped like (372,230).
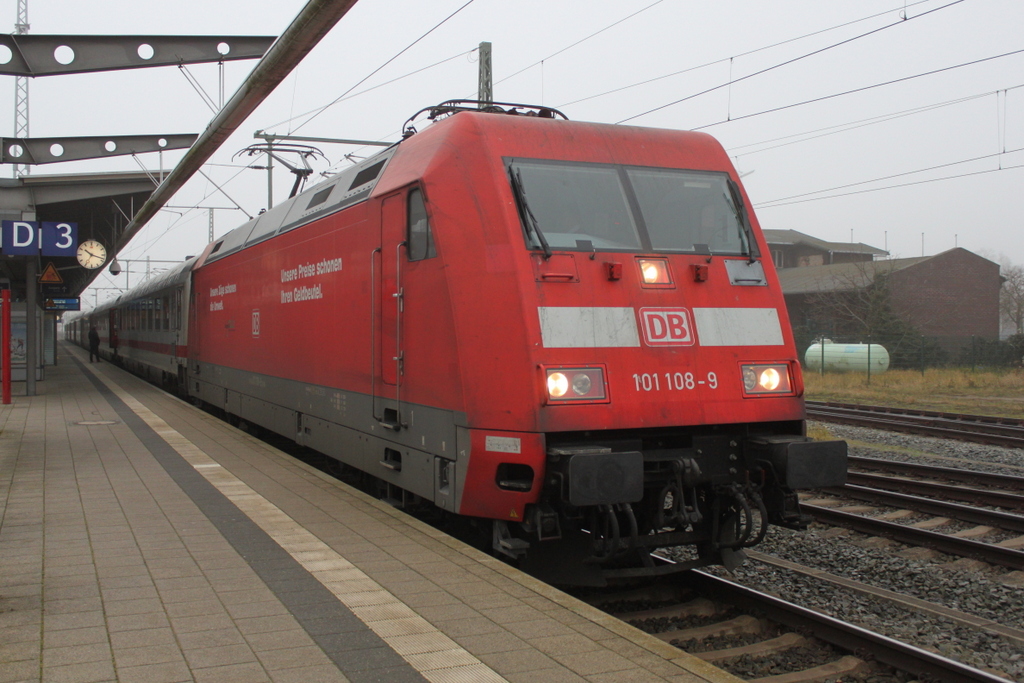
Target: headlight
(558,385)
(654,271)
(749,378)
(579,385)
(767,379)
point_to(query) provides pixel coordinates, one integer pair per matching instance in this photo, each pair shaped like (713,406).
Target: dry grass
(948,390)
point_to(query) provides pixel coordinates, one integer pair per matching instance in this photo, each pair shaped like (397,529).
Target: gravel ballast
(982,593)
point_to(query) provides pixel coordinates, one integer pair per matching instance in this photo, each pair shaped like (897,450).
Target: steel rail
(961,417)
(902,656)
(947,426)
(963,513)
(1001,481)
(315,20)
(952,545)
(1000,499)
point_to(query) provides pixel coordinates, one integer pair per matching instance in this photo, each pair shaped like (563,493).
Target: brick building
(951,297)
(792,249)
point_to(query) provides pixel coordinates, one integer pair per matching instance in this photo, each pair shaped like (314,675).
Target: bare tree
(855,298)
(855,301)
(1011,297)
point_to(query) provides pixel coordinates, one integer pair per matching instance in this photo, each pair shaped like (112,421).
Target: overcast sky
(826,98)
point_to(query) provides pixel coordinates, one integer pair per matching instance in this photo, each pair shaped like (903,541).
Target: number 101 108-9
(673,381)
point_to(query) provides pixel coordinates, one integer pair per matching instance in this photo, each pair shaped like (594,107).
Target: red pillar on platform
(5,343)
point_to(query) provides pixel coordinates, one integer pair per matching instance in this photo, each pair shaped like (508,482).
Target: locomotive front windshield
(592,207)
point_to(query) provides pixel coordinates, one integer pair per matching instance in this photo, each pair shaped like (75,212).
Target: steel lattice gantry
(54,55)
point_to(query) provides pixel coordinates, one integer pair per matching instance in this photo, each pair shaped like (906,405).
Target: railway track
(975,428)
(930,498)
(945,543)
(929,506)
(953,474)
(963,494)
(751,625)
(901,656)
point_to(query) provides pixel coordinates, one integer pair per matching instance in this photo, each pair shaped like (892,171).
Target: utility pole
(270,174)
(21,90)
(485,89)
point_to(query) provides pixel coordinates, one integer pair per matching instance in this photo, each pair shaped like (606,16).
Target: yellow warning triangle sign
(50,275)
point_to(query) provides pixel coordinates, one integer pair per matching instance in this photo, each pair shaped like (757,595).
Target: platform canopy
(101,204)
(112,207)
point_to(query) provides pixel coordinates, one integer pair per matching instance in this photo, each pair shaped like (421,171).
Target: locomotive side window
(421,241)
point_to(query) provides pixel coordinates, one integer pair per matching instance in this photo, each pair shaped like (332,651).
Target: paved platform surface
(144,540)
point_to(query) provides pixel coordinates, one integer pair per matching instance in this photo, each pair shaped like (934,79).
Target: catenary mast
(21,90)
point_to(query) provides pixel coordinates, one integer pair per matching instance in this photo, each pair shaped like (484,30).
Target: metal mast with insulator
(485,88)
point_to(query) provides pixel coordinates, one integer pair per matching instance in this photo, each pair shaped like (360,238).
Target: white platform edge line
(269,517)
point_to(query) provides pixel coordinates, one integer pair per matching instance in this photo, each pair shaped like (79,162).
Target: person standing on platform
(94,344)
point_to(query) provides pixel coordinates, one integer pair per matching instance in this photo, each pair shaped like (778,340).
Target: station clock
(91,254)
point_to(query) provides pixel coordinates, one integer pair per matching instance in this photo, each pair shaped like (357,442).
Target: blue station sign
(62,304)
(32,238)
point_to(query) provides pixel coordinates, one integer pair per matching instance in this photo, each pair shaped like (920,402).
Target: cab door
(389,305)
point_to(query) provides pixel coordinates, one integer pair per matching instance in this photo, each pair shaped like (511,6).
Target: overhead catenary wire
(393,133)
(729,59)
(805,136)
(803,198)
(230,198)
(580,41)
(379,68)
(787,62)
(817,133)
(345,98)
(185,217)
(865,88)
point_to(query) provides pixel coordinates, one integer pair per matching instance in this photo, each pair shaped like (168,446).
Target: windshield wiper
(524,209)
(737,209)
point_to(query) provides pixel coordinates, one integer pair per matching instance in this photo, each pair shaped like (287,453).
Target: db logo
(666,326)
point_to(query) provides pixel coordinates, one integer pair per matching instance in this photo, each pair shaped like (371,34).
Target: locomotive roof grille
(367,174)
(328,197)
(320,197)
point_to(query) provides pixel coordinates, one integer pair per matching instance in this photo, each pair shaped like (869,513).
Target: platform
(142,539)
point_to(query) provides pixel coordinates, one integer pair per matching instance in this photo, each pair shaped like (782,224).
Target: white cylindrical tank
(853,357)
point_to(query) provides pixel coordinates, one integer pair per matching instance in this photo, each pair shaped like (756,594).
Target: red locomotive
(567,330)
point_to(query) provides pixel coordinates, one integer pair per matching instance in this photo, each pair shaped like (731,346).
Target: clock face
(91,254)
